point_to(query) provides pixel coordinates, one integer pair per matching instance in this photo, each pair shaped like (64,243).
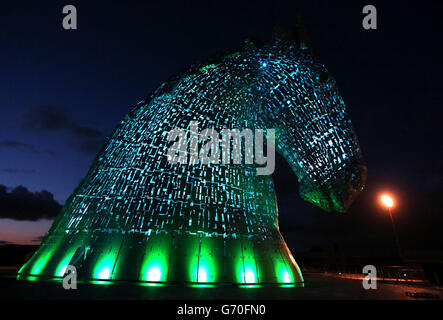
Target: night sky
(62,92)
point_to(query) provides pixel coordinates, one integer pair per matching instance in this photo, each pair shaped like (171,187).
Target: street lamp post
(389,202)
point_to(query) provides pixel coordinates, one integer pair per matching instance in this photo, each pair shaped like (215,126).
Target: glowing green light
(37,268)
(39,265)
(283,272)
(149,284)
(21,269)
(155,265)
(208,262)
(28,278)
(104,274)
(62,271)
(61,267)
(202,275)
(249,276)
(286,277)
(201,285)
(101,282)
(250,286)
(103,270)
(154,274)
(192,260)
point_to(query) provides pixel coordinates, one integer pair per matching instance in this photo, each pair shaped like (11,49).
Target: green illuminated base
(164,258)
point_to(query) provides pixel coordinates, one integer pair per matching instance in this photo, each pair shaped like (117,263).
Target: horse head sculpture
(315,134)
(138,217)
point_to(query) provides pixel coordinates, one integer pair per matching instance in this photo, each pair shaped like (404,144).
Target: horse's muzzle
(347,188)
(338,195)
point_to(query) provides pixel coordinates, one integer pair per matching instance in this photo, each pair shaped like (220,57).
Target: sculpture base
(156,258)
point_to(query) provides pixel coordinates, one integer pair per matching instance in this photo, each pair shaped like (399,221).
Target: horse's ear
(302,36)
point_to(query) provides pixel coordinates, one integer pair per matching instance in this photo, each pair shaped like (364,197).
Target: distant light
(154,274)
(387,200)
(264,64)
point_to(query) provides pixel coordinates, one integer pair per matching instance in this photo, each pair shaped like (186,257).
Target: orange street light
(387,201)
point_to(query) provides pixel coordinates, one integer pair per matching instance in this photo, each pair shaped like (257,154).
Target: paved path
(317,286)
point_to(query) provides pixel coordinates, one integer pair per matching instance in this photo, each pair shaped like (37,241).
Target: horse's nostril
(356,184)
(345,190)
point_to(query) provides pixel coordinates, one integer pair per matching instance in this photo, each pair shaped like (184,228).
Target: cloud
(50,119)
(4,242)
(22,204)
(17,145)
(38,239)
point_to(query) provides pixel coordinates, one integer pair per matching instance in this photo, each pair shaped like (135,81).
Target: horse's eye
(323,77)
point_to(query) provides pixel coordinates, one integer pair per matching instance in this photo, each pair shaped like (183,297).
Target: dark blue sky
(62,92)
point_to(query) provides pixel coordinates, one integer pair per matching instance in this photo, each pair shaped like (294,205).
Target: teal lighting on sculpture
(137,217)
